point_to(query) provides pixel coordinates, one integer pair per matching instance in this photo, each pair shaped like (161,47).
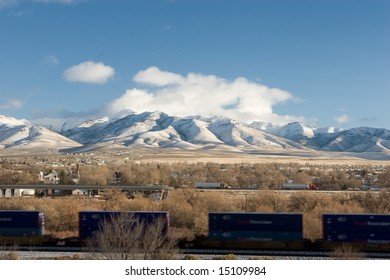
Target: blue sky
(324,63)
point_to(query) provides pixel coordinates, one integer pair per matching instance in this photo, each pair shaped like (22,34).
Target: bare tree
(376,203)
(156,245)
(124,237)
(304,203)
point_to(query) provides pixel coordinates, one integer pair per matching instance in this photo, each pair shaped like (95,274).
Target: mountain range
(157,129)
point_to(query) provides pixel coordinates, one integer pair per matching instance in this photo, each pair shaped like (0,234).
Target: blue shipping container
(255,221)
(22,223)
(256,235)
(356,223)
(360,237)
(21,218)
(90,222)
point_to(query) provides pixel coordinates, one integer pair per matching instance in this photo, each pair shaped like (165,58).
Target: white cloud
(89,72)
(153,76)
(342,119)
(11,104)
(206,95)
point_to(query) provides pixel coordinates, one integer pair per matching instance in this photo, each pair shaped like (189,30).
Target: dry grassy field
(272,156)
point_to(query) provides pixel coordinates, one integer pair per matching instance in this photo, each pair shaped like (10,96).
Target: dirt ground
(311,157)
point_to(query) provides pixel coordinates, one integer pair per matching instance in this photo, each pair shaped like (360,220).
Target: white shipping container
(206,185)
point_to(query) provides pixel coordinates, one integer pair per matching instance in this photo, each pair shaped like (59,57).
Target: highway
(89,189)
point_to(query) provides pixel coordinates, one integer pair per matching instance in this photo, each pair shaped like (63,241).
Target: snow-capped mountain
(21,134)
(293,131)
(157,129)
(362,139)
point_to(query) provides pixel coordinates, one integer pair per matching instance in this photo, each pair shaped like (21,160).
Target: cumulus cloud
(10,104)
(206,95)
(89,72)
(156,77)
(342,119)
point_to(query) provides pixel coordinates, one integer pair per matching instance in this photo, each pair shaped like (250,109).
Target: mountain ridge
(158,129)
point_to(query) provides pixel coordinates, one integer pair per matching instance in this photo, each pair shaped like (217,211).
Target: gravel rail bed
(47,255)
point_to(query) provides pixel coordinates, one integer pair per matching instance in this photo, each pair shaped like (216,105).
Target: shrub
(269,201)
(303,202)
(378,203)
(125,237)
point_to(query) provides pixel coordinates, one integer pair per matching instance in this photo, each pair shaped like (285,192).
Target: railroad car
(255,221)
(236,230)
(255,226)
(21,223)
(90,222)
(359,228)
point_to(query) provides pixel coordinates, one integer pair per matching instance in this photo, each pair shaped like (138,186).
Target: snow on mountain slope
(22,134)
(149,128)
(11,134)
(125,129)
(356,140)
(327,130)
(362,139)
(97,122)
(238,134)
(40,137)
(157,129)
(10,121)
(195,131)
(293,131)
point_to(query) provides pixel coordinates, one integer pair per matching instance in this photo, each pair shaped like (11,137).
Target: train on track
(229,231)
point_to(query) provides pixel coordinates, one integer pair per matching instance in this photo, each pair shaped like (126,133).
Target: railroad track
(287,253)
(290,254)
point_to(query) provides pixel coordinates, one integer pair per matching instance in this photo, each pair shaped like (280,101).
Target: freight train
(231,230)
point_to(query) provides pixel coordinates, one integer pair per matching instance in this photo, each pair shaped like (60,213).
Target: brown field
(230,157)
